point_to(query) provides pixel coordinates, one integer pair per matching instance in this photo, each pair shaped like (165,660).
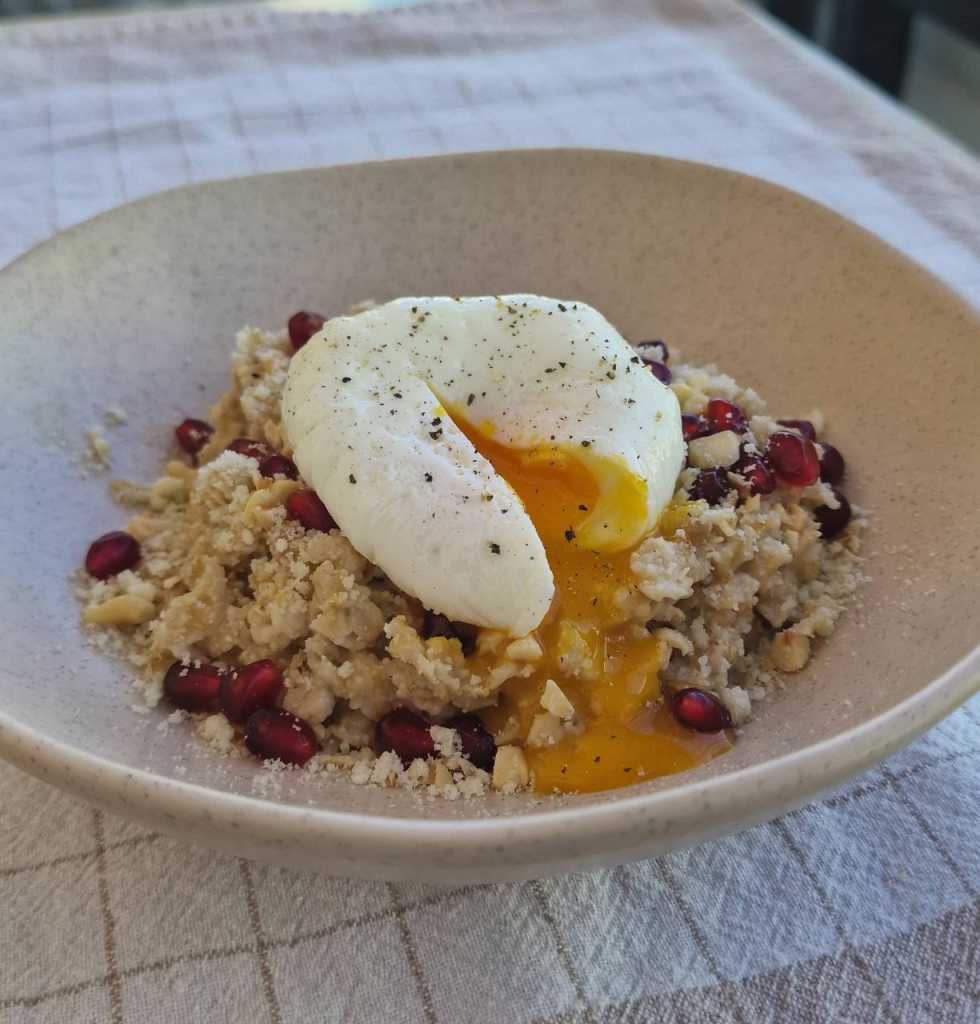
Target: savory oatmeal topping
(239,599)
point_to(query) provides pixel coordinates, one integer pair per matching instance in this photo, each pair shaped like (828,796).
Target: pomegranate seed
(306,507)
(833,520)
(756,473)
(251,449)
(255,686)
(653,350)
(694,427)
(831,464)
(193,687)
(466,634)
(302,327)
(111,553)
(710,485)
(478,745)
(435,624)
(193,435)
(805,427)
(406,733)
(279,465)
(794,459)
(725,415)
(700,710)
(277,735)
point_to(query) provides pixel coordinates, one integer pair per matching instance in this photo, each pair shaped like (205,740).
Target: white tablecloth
(861,908)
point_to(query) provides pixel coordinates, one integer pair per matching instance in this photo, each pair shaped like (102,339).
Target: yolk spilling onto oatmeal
(605,665)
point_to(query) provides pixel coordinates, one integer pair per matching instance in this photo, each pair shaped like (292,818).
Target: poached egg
(476,448)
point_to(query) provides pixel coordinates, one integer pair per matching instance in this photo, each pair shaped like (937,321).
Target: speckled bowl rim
(710,807)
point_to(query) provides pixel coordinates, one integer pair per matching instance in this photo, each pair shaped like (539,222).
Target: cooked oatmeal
(237,562)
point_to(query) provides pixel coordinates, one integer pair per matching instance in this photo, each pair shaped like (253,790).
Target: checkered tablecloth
(861,908)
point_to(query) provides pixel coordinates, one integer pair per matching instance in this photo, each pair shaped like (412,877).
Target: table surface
(861,907)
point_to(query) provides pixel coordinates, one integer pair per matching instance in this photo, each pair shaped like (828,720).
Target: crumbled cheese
(98,451)
(217,732)
(446,740)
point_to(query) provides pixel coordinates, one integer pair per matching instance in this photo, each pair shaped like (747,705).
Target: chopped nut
(142,527)
(99,451)
(789,651)
(441,776)
(674,640)
(713,451)
(524,649)
(418,772)
(127,493)
(508,732)
(258,509)
(168,488)
(546,730)
(123,610)
(489,641)
(578,650)
(554,700)
(510,770)
(181,471)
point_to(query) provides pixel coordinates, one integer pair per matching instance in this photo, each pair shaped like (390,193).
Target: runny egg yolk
(607,666)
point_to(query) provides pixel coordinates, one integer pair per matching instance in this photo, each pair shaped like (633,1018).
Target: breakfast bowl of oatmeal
(479,517)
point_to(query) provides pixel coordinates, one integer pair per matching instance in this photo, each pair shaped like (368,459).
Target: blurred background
(925,53)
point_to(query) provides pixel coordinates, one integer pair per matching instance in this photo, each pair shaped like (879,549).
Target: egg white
(365,409)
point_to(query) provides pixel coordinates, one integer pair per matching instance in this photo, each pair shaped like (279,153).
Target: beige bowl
(137,308)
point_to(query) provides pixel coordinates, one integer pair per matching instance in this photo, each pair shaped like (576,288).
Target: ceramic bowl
(137,309)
